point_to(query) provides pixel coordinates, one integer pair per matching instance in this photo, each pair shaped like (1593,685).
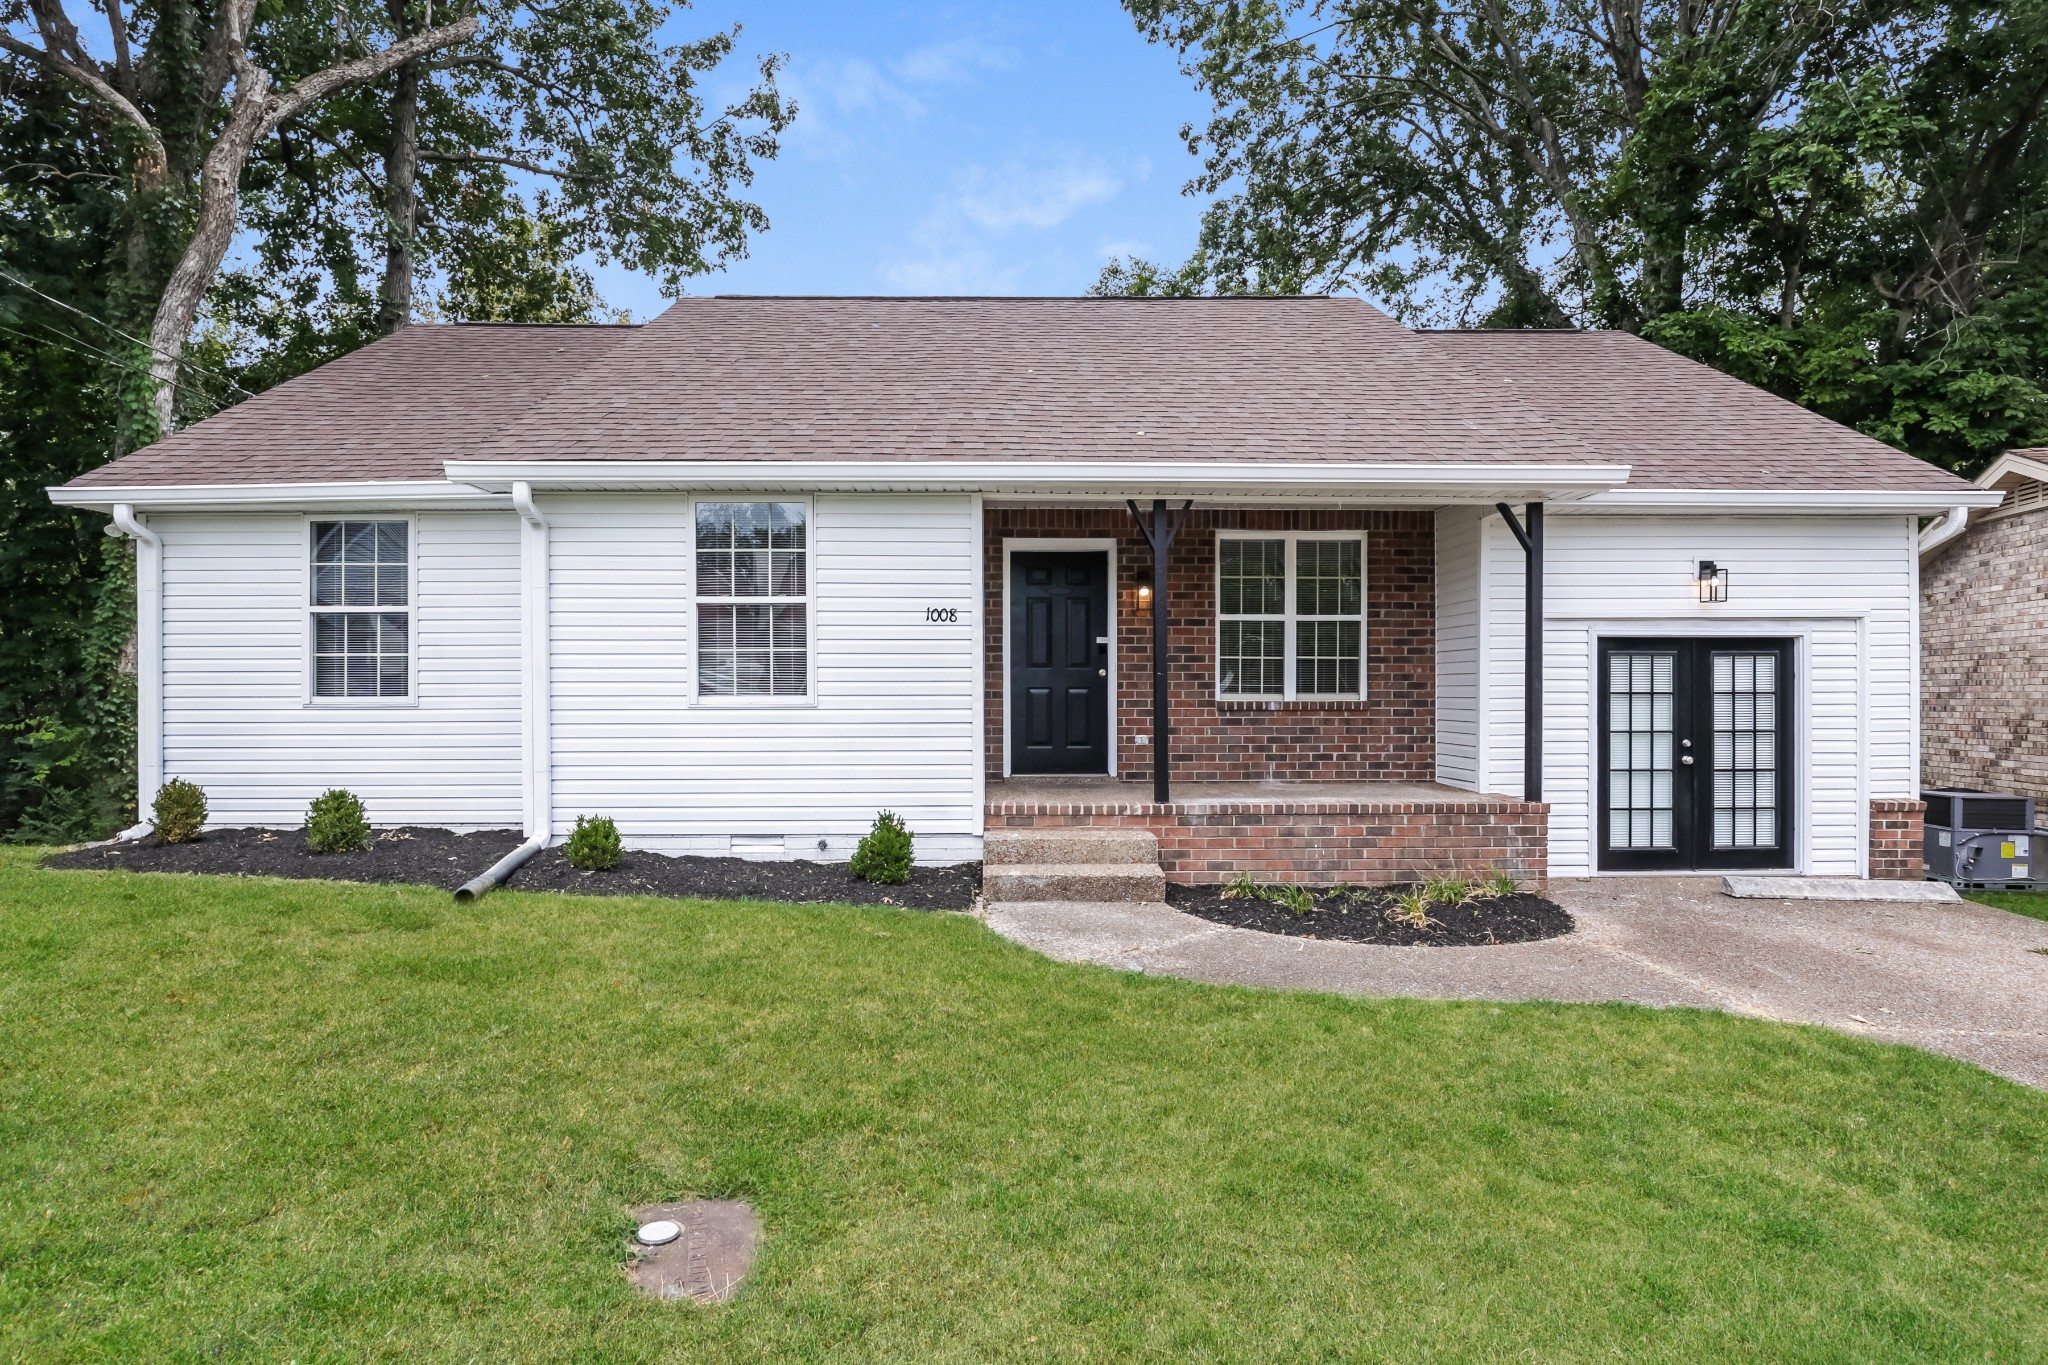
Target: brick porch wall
(1897,840)
(1390,736)
(1318,843)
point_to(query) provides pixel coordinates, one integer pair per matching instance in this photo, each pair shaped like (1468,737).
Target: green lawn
(2030,903)
(255,1120)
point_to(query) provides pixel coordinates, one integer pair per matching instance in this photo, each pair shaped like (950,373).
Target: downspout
(533,615)
(149,662)
(1942,532)
(1531,538)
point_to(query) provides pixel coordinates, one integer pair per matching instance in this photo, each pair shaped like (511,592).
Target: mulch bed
(1363,916)
(438,858)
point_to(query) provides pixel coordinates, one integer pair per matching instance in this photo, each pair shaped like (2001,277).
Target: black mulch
(436,857)
(1364,916)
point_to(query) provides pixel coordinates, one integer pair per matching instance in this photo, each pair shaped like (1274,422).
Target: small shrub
(1447,890)
(1411,907)
(1296,899)
(178,811)
(335,823)
(884,855)
(593,844)
(1241,888)
(1499,883)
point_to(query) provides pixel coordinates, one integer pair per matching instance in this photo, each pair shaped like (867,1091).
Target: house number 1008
(942,613)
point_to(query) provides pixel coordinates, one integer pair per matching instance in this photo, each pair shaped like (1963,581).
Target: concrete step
(1004,882)
(1016,847)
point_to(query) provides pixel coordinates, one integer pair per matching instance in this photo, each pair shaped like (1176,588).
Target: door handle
(1103,673)
(1686,759)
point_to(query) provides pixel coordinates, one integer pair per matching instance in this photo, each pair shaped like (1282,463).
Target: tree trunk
(220,181)
(401,185)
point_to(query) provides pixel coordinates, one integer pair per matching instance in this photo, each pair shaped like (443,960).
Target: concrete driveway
(1957,979)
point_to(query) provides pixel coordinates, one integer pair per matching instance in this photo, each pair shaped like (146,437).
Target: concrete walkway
(1955,979)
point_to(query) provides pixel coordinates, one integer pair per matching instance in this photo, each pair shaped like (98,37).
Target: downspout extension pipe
(499,871)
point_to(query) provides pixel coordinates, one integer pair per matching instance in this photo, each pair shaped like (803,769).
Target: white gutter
(535,696)
(1788,500)
(1945,530)
(1061,476)
(364,495)
(149,659)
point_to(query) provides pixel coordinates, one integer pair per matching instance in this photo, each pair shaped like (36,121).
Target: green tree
(1841,202)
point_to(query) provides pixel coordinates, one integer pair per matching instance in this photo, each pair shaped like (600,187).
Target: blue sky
(955,149)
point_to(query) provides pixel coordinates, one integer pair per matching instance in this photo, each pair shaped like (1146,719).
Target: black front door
(1059,663)
(1695,754)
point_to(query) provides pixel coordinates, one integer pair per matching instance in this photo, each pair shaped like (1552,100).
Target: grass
(2033,904)
(260,1120)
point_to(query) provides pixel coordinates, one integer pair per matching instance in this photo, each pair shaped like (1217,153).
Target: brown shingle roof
(1678,423)
(1294,379)
(393,410)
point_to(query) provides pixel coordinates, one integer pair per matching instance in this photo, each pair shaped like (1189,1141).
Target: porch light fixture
(1144,594)
(1712,581)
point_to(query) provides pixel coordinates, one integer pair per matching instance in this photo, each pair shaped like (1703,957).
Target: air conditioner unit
(1981,839)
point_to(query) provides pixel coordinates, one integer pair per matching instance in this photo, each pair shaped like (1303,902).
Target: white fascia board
(392,495)
(1800,501)
(2024,464)
(1436,483)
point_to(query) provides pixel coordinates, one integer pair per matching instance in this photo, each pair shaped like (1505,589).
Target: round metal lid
(658,1233)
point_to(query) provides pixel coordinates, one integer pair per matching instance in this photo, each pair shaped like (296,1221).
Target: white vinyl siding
(1458,713)
(238,717)
(890,725)
(1840,586)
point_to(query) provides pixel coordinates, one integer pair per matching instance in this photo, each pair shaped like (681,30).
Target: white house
(746,574)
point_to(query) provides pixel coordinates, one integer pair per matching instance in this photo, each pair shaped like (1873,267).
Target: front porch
(1316,833)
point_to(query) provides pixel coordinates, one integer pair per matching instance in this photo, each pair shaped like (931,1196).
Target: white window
(753,599)
(361,607)
(1290,616)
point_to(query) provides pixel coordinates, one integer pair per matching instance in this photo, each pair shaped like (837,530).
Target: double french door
(1696,751)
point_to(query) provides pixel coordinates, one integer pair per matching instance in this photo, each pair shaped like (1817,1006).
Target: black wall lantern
(1712,581)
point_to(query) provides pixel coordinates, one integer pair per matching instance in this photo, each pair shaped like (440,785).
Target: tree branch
(365,69)
(91,82)
(488,159)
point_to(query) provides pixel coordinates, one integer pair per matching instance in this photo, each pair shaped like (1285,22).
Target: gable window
(753,599)
(1290,616)
(361,606)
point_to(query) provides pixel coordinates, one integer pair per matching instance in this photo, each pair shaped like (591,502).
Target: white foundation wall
(1459,718)
(893,723)
(1844,588)
(236,714)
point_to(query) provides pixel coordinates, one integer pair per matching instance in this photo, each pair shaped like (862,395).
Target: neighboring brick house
(1984,639)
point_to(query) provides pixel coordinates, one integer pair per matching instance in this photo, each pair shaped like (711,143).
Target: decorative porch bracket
(1532,644)
(1159,533)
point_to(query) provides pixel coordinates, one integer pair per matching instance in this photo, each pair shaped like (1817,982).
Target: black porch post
(1532,644)
(1159,534)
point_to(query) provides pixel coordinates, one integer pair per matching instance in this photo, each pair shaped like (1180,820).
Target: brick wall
(1390,736)
(1319,843)
(1984,659)
(1897,840)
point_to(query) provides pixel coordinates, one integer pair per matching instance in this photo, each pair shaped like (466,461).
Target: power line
(81,347)
(126,336)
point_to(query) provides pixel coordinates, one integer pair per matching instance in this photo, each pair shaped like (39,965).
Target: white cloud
(952,62)
(1014,195)
(966,242)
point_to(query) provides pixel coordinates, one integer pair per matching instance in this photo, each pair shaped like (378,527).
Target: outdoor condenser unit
(1980,838)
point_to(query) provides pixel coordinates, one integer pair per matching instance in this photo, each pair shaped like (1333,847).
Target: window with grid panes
(753,599)
(361,608)
(1290,616)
